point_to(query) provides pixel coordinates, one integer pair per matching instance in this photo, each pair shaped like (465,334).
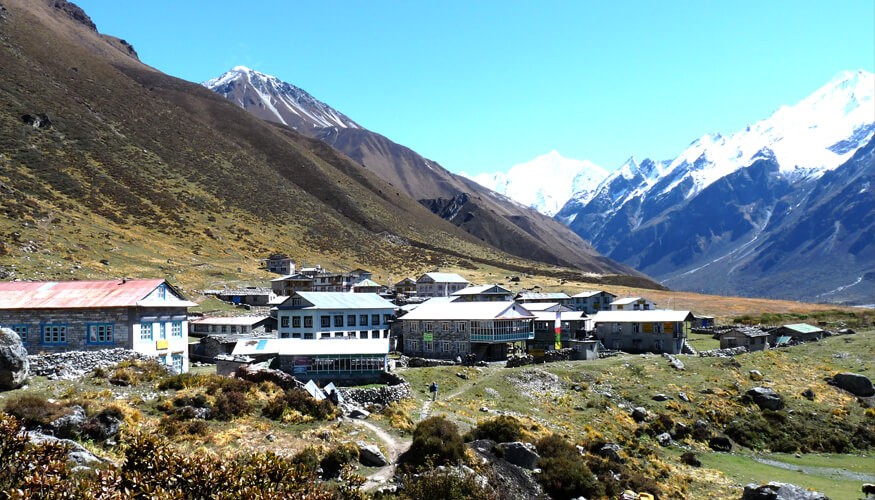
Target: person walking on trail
(433,388)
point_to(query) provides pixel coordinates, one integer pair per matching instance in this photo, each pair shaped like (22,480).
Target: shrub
(435,484)
(307,459)
(230,404)
(336,458)
(502,429)
(299,400)
(564,473)
(435,440)
(34,411)
(179,382)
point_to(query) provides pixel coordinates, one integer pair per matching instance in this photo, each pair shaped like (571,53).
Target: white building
(323,315)
(439,284)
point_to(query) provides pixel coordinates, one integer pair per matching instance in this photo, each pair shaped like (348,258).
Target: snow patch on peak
(543,182)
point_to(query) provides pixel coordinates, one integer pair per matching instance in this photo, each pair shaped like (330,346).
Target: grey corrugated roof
(345,300)
(311,347)
(589,293)
(654,316)
(543,296)
(475,290)
(445,277)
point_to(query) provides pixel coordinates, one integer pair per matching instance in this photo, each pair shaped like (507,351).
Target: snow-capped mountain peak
(275,100)
(544,183)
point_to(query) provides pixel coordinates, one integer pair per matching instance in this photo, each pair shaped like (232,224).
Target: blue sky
(480,86)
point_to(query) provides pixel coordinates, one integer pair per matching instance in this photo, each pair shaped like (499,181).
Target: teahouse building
(145,315)
(660,331)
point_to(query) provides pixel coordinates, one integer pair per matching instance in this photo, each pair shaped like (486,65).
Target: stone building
(592,301)
(439,284)
(148,316)
(321,315)
(661,331)
(454,329)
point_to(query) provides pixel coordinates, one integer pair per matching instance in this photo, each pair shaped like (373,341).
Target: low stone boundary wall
(74,364)
(396,389)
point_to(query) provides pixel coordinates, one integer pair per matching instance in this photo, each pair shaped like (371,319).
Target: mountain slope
(721,217)
(486,215)
(543,182)
(136,173)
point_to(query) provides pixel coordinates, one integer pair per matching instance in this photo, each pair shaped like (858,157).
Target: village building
(145,315)
(339,282)
(250,296)
(439,284)
(342,361)
(324,315)
(291,283)
(406,287)
(454,329)
(367,286)
(799,332)
(632,304)
(530,297)
(214,346)
(243,325)
(546,307)
(483,293)
(574,326)
(592,301)
(280,264)
(661,331)
(753,339)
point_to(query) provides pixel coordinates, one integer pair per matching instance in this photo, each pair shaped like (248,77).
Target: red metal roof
(75,294)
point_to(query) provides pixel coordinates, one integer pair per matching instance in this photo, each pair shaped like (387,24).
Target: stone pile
(723,353)
(74,364)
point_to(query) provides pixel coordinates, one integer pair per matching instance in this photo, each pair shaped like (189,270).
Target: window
(325,335)
(284,321)
(363,319)
(338,321)
(308,336)
(308,321)
(412,326)
(296,322)
(375,334)
(460,326)
(445,326)
(387,318)
(176,329)
(100,333)
(163,334)
(375,319)
(325,321)
(338,334)
(146,331)
(413,345)
(21,330)
(177,361)
(428,346)
(461,347)
(445,347)
(295,335)
(54,334)
(426,326)
(363,334)
(350,320)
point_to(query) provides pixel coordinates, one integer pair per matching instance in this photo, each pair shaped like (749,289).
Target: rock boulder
(766,398)
(371,456)
(779,491)
(14,364)
(520,454)
(856,384)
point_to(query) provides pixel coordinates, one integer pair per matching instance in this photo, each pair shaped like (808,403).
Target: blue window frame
(21,330)
(146,331)
(176,329)
(54,333)
(162,333)
(100,333)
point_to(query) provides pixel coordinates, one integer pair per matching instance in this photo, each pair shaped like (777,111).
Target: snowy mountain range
(706,220)
(543,183)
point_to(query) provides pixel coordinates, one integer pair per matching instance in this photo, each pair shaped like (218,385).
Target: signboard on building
(428,337)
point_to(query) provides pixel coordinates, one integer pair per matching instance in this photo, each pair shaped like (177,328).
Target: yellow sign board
(162,344)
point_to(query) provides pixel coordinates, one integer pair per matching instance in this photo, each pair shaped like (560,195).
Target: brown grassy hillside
(140,173)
